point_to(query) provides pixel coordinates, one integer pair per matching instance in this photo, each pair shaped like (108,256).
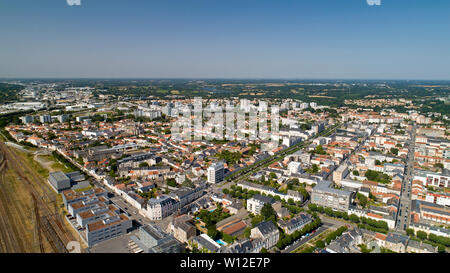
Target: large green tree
(268,212)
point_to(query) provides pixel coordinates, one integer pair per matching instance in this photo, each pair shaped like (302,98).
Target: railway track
(50,212)
(38,225)
(9,242)
(47,218)
(22,212)
(15,214)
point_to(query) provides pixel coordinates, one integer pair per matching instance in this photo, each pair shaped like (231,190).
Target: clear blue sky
(401,39)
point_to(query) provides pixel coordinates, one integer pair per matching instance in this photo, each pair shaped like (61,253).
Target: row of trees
(366,223)
(286,240)
(239,192)
(65,162)
(440,241)
(374,225)
(328,211)
(332,236)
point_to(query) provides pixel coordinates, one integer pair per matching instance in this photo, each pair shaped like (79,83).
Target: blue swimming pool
(220,242)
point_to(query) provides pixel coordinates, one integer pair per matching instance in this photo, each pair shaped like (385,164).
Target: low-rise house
(224,199)
(204,243)
(280,210)
(266,231)
(439,231)
(294,224)
(134,199)
(396,242)
(244,246)
(347,243)
(420,247)
(186,195)
(182,228)
(235,206)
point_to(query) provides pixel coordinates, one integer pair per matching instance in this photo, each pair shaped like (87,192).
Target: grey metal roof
(263,199)
(266,228)
(205,243)
(153,231)
(161,200)
(397,238)
(299,220)
(59,176)
(325,186)
(75,176)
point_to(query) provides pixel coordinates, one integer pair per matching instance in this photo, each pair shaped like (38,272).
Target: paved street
(403,213)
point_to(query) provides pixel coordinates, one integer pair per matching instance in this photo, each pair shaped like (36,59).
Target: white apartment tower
(216,172)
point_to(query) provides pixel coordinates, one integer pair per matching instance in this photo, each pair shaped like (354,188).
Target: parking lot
(121,244)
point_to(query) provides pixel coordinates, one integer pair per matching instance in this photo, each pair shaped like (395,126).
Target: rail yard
(31,220)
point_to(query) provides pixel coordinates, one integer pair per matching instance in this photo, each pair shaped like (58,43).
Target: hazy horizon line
(220,78)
